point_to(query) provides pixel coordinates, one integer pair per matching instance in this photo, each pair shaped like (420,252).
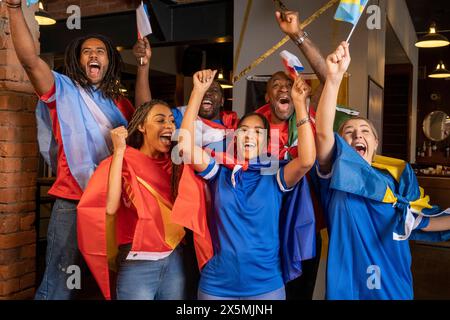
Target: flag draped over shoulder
(352,174)
(297,220)
(147,187)
(350,10)
(190,211)
(297,230)
(79,126)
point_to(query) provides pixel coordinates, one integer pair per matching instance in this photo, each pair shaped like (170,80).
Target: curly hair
(110,83)
(135,139)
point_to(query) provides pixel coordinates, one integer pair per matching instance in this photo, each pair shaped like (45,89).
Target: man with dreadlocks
(75,114)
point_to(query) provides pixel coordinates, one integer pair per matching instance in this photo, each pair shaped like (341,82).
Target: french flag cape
(147,186)
(288,150)
(297,230)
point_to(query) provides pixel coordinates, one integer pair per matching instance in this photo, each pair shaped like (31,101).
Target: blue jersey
(364,260)
(245,233)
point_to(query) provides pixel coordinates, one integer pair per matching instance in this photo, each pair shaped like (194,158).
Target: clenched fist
(300,90)
(142,51)
(338,62)
(118,137)
(203,79)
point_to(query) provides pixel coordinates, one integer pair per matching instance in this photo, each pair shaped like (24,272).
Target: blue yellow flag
(350,10)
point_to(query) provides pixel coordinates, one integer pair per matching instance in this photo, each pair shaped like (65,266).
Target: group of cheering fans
(134,194)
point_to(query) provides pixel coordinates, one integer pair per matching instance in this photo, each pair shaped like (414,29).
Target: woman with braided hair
(134,188)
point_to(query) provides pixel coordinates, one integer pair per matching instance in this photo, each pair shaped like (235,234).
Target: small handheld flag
(350,11)
(291,63)
(143,23)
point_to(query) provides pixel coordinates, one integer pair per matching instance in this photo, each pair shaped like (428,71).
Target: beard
(209,114)
(282,115)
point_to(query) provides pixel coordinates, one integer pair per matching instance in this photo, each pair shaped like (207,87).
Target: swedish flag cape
(352,174)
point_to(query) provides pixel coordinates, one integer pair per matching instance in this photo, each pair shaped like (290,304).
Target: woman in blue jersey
(373,204)
(246,200)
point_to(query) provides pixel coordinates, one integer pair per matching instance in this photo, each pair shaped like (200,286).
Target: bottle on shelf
(429,150)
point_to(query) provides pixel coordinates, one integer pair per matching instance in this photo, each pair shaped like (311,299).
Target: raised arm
(290,25)
(193,154)
(337,64)
(37,70)
(143,53)
(114,192)
(299,166)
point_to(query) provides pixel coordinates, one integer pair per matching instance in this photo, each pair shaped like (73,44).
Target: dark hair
(110,83)
(135,137)
(263,119)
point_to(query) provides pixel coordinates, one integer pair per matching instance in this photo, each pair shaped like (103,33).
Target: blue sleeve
(321,182)
(281,181)
(178,115)
(324,179)
(211,170)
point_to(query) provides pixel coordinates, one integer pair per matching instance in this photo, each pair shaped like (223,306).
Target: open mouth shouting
(361,148)
(94,69)
(248,146)
(166,138)
(284,102)
(207,104)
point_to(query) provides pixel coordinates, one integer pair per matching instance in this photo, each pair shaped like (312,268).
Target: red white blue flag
(143,21)
(291,63)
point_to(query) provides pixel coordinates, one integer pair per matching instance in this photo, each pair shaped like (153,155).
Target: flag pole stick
(354,26)
(351,32)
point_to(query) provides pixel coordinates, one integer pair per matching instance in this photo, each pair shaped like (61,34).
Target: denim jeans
(163,279)
(62,252)
(279,294)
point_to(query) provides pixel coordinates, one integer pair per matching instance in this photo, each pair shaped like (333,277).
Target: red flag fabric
(229,119)
(190,210)
(146,184)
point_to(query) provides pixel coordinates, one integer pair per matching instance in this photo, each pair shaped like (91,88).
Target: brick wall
(18,169)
